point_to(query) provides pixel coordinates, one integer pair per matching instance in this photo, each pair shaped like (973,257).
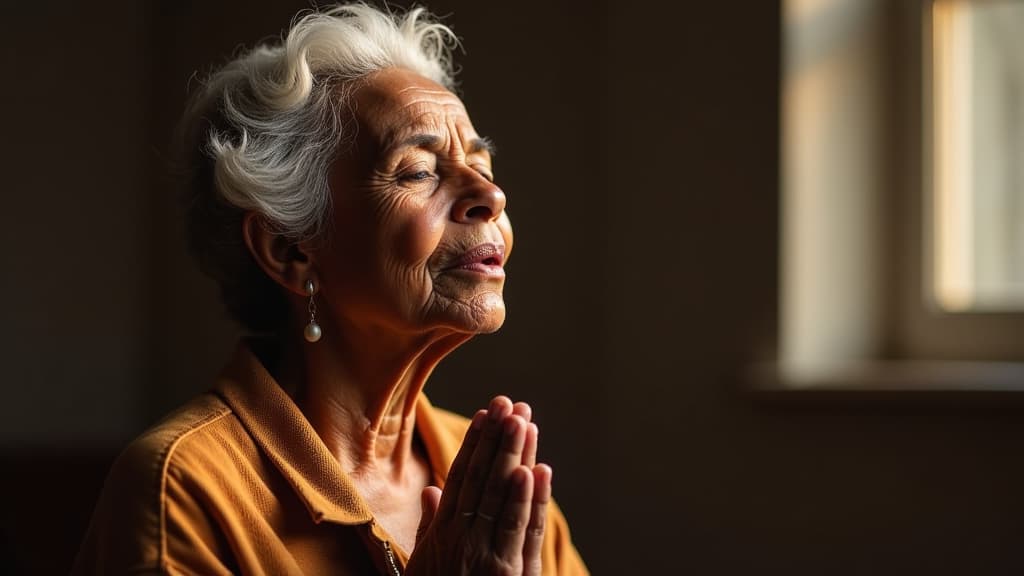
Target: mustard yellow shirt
(237,481)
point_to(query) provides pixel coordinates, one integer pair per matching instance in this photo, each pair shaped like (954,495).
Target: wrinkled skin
(415,192)
(412,267)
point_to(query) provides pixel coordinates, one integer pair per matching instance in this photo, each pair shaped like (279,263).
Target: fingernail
(501,406)
(524,410)
(541,468)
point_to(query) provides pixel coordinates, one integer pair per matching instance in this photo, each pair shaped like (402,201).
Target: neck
(359,390)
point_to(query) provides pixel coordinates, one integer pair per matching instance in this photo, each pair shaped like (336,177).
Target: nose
(479,199)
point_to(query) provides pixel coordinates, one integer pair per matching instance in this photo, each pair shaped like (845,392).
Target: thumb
(430,498)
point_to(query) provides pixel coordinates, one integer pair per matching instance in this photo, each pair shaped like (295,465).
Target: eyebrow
(482,145)
(430,142)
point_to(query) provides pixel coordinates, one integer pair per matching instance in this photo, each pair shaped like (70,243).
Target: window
(977,88)
(903,206)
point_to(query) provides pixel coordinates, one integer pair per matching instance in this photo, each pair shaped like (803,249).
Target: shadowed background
(639,151)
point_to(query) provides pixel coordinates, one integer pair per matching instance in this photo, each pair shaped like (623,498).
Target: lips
(485,259)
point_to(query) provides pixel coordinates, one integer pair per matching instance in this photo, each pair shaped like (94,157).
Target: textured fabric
(237,481)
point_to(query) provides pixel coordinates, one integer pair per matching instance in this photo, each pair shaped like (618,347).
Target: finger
(515,516)
(534,539)
(472,485)
(523,410)
(430,499)
(508,458)
(530,447)
(457,472)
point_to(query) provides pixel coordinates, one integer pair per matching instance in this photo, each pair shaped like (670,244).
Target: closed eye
(416,176)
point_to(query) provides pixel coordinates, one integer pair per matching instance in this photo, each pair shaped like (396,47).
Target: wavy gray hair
(262,132)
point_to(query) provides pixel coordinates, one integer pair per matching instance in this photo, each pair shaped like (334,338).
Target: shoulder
(128,524)
(183,432)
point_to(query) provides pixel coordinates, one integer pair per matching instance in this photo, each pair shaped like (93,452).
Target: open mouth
(486,258)
(492,260)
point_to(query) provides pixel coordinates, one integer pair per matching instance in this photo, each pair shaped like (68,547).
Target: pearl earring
(312,332)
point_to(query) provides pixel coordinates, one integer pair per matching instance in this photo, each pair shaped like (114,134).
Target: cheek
(505,225)
(418,231)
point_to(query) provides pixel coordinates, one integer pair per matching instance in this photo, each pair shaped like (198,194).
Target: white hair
(266,127)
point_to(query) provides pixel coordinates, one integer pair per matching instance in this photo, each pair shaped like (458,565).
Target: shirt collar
(441,443)
(280,429)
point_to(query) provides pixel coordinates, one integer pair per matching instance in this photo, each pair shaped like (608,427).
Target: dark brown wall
(639,148)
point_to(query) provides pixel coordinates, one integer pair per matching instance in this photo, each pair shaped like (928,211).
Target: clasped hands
(490,517)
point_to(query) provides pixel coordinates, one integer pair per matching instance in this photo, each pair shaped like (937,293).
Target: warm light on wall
(831,178)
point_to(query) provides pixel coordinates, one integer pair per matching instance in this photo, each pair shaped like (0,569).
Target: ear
(287,263)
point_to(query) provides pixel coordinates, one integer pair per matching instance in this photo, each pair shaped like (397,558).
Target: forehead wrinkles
(429,112)
(449,121)
(389,112)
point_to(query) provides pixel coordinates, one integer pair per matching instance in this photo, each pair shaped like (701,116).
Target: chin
(484,315)
(493,323)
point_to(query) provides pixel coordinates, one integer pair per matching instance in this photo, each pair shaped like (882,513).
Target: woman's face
(419,232)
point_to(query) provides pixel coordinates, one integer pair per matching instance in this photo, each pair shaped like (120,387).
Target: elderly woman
(346,205)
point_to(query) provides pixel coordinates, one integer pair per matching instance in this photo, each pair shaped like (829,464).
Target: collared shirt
(237,481)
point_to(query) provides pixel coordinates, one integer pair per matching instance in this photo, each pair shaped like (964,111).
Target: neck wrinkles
(361,397)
